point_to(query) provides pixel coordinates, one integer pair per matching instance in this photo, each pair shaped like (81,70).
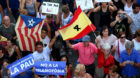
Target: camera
(122,16)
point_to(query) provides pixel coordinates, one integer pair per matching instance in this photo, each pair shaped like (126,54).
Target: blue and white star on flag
(31,22)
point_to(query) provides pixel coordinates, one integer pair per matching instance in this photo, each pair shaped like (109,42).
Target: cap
(86,38)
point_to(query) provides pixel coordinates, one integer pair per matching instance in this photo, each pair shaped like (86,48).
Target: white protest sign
(103,0)
(84,4)
(50,8)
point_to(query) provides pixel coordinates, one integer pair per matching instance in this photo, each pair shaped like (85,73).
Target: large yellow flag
(79,26)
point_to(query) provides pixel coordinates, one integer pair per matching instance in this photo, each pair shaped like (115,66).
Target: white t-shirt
(43,56)
(128,9)
(121,48)
(136,21)
(46,40)
(136,45)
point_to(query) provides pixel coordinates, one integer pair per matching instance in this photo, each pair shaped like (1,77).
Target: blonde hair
(78,68)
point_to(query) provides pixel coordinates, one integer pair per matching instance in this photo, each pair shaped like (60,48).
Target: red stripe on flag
(75,17)
(32,31)
(38,38)
(21,35)
(29,40)
(86,31)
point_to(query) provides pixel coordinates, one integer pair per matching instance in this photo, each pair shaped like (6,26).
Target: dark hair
(137,33)
(65,9)
(6,60)
(49,16)
(38,43)
(104,28)
(12,41)
(120,34)
(135,5)
(114,68)
(66,58)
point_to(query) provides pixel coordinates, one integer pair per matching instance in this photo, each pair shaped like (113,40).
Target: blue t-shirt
(129,70)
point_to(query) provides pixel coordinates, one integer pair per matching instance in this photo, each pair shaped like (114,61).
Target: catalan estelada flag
(79,26)
(28,31)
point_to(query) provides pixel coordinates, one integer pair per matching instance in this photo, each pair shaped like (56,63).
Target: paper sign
(84,4)
(21,65)
(50,68)
(50,8)
(103,0)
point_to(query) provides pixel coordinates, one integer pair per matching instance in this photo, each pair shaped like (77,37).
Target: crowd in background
(117,44)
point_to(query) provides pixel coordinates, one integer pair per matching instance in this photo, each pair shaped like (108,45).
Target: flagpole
(90,26)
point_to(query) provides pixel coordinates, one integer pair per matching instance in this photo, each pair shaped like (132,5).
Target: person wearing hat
(86,51)
(129,60)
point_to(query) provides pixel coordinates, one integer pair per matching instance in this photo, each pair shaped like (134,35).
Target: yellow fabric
(69,32)
(3,38)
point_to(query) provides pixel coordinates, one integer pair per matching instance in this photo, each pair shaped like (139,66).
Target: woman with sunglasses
(118,47)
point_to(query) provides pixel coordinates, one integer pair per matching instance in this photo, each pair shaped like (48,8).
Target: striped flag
(79,26)
(28,30)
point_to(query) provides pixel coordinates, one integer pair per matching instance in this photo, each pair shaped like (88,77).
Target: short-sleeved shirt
(86,54)
(43,56)
(111,40)
(135,22)
(129,70)
(9,32)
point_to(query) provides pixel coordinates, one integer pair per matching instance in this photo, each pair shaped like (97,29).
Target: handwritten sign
(103,0)
(50,68)
(50,8)
(84,4)
(21,65)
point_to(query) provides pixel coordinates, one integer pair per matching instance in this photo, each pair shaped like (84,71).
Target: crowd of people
(117,45)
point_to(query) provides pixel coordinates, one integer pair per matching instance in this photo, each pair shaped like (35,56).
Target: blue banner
(21,65)
(50,68)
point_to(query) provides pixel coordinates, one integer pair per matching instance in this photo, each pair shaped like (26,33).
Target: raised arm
(49,29)
(36,8)
(124,2)
(54,39)
(69,44)
(18,52)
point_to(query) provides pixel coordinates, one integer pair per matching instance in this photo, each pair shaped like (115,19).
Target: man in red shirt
(86,51)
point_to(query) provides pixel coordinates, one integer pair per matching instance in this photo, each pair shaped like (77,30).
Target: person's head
(49,18)
(137,33)
(122,36)
(136,8)
(86,40)
(6,21)
(113,70)
(105,31)
(65,9)
(39,46)
(80,69)
(65,59)
(104,4)
(5,63)
(11,42)
(43,33)
(129,46)
(106,49)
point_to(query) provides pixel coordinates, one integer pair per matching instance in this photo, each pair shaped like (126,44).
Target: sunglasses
(122,37)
